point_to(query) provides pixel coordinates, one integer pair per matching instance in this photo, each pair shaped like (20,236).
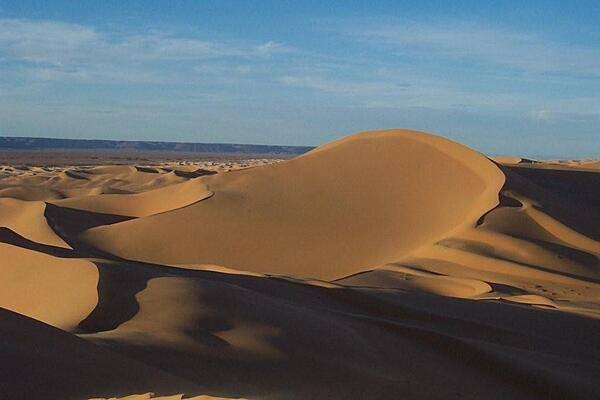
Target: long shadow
(117,284)
(68,223)
(117,288)
(581,185)
(503,201)
(11,237)
(458,336)
(194,174)
(149,170)
(488,251)
(75,175)
(463,335)
(579,256)
(571,197)
(510,290)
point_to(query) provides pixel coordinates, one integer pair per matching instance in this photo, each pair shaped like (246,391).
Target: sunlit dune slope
(57,291)
(141,204)
(349,205)
(26,218)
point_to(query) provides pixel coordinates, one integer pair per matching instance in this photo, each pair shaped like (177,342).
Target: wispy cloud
(49,50)
(343,86)
(579,109)
(484,44)
(445,77)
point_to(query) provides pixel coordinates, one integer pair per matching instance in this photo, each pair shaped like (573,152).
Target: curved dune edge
(26,218)
(396,277)
(141,204)
(29,193)
(186,321)
(528,221)
(531,299)
(355,203)
(169,317)
(219,269)
(523,252)
(58,291)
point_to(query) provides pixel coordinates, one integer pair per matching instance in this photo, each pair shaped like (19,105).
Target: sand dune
(399,277)
(42,362)
(387,264)
(326,214)
(143,204)
(26,218)
(57,291)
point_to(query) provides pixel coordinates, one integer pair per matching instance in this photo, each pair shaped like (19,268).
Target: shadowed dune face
(42,362)
(344,207)
(388,264)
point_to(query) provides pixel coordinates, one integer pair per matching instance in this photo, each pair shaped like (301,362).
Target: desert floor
(385,265)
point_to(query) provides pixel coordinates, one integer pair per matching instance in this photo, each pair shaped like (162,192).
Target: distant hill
(34,143)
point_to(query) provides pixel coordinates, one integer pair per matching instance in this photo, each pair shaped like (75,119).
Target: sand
(326,214)
(387,264)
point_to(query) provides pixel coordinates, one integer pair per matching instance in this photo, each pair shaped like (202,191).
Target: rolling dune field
(389,264)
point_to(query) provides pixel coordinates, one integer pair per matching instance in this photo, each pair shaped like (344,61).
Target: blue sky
(502,77)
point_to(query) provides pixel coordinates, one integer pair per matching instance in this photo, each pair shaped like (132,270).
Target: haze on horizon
(515,78)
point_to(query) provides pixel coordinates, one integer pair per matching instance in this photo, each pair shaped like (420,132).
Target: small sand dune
(387,264)
(26,218)
(57,291)
(143,204)
(398,277)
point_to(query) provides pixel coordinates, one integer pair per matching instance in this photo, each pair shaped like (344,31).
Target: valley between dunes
(390,264)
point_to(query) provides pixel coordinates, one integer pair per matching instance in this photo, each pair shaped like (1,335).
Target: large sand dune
(337,210)
(388,264)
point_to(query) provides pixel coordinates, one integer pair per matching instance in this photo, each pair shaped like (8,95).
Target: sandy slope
(389,264)
(42,362)
(26,218)
(58,291)
(337,210)
(143,204)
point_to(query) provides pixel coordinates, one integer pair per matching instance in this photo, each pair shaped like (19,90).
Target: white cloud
(44,41)
(420,75)
(342,86)
(271,47)
(50,50)
(485,44)
(541,115)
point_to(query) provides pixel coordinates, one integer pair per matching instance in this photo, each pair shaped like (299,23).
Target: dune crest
(26,219)
(356,203)
(142,204)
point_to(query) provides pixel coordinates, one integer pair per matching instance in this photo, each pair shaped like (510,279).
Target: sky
(504,77)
